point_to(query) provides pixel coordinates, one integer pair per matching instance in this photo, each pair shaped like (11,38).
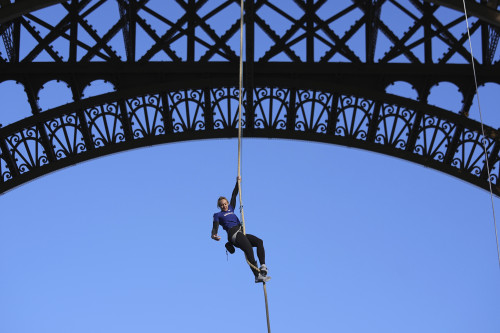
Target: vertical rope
(482,130)
(240,87)
(267,309)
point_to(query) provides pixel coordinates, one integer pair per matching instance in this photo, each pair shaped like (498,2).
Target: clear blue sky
(355,242)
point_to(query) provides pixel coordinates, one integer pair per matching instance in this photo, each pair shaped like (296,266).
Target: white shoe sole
(265,279)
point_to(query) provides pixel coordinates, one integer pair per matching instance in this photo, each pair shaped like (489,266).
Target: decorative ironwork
(470,155)
(313,109)
(394,126)
(5,174)
(27,149)
(325,116)
(354,115)
(225,108)
(65,136)
(146,115)
(316,70)
(186,108)
(105,124)
(271,108)
(434,137)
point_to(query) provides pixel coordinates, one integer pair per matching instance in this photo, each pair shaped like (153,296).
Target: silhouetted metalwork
(307,82)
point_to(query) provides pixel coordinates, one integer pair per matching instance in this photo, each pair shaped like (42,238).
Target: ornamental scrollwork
(186,108)
(325,116)
(105,124)
(434,137)
(470,153)
(495,171)
(146,115)
(65,135)
(27,149)
(353,117)
(313,111)
(225,104)
(271,108)
(5,173)
(394,125)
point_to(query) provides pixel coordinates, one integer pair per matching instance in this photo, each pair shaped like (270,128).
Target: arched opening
(403,89)
(98,87)
(15,105)
(447,96)
(488,100)
(53,94)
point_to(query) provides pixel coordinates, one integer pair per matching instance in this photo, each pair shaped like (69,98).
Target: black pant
(246,244)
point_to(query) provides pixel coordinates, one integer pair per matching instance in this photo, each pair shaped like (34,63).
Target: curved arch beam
(146,116)
(21,7)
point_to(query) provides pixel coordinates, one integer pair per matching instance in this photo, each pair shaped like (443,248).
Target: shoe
(262,278)
(229,247)
(263,270)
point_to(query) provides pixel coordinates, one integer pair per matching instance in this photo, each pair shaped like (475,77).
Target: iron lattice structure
(308,75)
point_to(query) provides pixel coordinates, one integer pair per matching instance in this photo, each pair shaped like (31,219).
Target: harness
(233,238)
(230,245)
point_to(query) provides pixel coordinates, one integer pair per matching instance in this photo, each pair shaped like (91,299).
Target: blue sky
(355,242)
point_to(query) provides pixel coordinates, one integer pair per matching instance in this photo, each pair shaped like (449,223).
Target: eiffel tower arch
(315,70)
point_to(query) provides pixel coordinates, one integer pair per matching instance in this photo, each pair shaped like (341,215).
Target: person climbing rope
(235,236)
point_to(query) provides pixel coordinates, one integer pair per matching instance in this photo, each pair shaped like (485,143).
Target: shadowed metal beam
(486,13)
(20,7)
(493,3)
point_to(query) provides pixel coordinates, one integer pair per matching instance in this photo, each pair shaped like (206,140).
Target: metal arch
(295,91)
(197,109)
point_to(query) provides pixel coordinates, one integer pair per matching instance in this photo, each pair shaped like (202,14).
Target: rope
(240,83)
(482,130)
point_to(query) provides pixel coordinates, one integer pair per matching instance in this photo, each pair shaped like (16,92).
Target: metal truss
(314,70)
(312,26)
(484,10)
